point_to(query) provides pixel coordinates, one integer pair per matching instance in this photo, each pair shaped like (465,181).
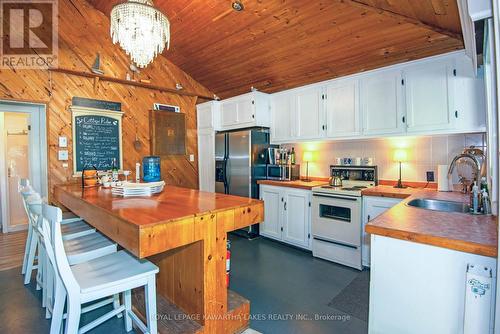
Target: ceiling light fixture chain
(140,29)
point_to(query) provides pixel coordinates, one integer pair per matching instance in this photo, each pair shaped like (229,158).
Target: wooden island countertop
(184,232)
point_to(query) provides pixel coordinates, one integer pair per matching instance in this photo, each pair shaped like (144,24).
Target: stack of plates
(129,189)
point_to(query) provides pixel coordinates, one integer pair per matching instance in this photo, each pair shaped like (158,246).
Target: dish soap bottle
(292,156)
(475,198)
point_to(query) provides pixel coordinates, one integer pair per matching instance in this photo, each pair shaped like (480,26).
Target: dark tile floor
(288,289)
(286,283)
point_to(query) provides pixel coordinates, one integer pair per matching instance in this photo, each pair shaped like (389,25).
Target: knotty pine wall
(84,31)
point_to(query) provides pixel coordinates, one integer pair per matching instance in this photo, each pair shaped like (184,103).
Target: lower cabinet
(372,207)
(287,215)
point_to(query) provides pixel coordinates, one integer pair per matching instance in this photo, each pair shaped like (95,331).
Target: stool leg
(50,291)
(57,312)
(116,304)
(27,249)
(31,260)
(127,300)
(73,319)
(42,259)
(151,305)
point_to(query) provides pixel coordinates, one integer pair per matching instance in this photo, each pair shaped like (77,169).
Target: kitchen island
(184,232)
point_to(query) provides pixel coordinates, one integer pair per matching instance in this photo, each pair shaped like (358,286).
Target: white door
(282,110)
(372,208)
(296,217)
(229,113)
(206,160)
(382,103)
(309,114)
(342,109)
(15,157)
(246,110)
(273,204)
(429,96)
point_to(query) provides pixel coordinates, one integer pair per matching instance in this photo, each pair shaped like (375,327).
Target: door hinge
(368,218)
(29,127)
(456,113)
(454,72)
(402,82)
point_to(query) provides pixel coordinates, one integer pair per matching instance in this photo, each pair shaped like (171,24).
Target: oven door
(337,219)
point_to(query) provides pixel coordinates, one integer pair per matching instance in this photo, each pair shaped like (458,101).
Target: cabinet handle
(253,116)
(456,113)
(285,206)
(282,199)
(323,127)
(281,228)
(368,217)
(404,119)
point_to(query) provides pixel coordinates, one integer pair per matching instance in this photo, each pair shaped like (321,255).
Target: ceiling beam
(402,17)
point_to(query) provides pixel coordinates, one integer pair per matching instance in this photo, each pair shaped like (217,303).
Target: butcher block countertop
(294,184)
(476,234)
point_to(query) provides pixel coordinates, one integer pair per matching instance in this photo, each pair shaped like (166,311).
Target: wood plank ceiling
(276,45)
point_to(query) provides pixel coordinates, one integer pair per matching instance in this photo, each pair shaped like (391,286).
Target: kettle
(336,181)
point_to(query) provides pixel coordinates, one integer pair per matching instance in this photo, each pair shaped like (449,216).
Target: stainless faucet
(474,155)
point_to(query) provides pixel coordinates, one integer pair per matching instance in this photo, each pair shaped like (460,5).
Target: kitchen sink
(439,205)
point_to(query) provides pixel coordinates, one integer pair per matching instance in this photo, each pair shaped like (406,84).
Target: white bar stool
(78,250)
(72,228)
(90,281)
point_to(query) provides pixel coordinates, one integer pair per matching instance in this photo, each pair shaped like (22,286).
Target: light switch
(191,157)
(65,165)
(63,155)
(63,141)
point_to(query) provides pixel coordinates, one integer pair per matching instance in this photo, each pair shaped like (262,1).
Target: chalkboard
(96,140)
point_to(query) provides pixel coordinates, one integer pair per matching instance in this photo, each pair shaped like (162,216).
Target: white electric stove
(336,215)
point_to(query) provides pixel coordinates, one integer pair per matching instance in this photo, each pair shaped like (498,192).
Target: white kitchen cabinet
(373,206)
(296,217)
(342,109)
(287,215)
(206,161)
(243,111)
(309,113)
(205,115)
(417,288)
(429,94)
(382,103)
(283,107)
(271,227)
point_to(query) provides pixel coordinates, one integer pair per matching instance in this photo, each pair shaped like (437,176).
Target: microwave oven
(283,172)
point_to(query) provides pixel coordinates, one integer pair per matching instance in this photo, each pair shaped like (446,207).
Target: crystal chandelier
(142,30)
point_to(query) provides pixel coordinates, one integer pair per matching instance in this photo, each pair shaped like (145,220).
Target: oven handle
(338,197)
(315,237)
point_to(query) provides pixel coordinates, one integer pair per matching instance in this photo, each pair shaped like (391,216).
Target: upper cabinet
(382,103)
(283,106)
(437,95)
(429,92)
(308,113)
(342,109)
(244,111)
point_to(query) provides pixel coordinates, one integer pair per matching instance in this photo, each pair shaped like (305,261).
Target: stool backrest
(52,236)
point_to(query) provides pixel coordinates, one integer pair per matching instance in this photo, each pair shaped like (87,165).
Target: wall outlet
(191,157)
(63,141)
(430,176)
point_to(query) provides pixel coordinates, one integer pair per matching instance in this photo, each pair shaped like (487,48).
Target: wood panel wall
(83,32)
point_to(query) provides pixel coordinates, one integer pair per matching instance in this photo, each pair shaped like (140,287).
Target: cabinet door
(229,113)
(206,160)
(382,103)
(281,112)
(205,116)
(296,217)
(372,208)
(429,96)
(273,201)
(342,109)
(246,110)
(309,120)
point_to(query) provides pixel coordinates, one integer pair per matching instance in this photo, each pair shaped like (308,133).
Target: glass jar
(151,169)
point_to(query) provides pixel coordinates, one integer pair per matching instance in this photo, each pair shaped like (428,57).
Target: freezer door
(239,164)
(220,146)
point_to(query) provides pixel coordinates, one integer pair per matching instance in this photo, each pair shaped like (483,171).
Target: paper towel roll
(443,180)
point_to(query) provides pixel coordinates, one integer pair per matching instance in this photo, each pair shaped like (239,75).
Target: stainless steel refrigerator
(240,160)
